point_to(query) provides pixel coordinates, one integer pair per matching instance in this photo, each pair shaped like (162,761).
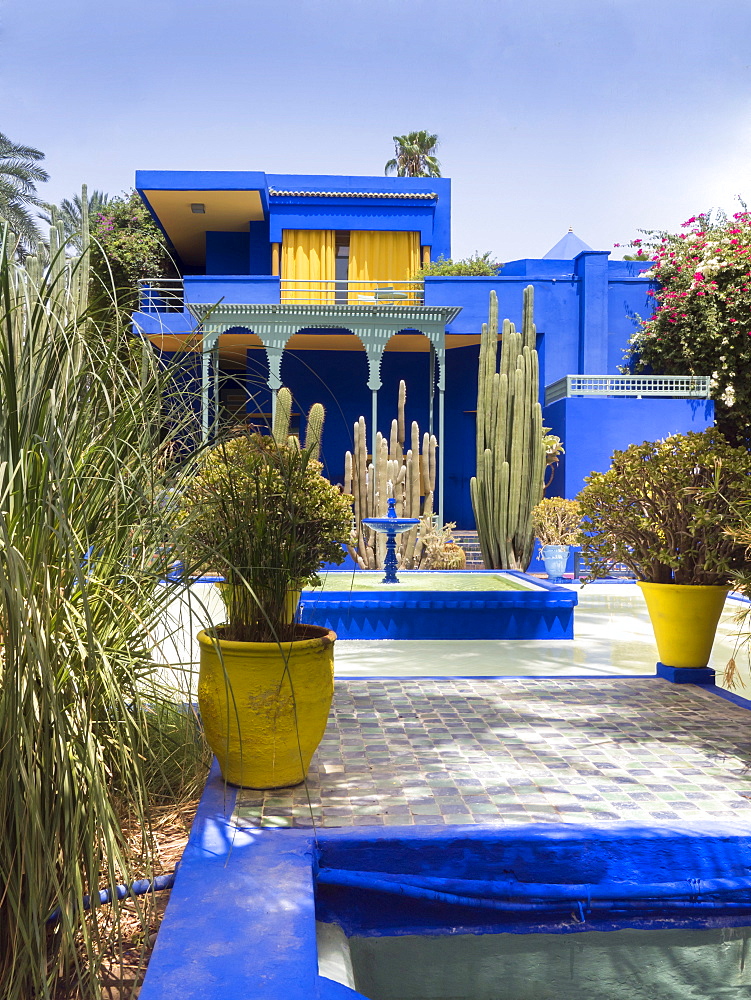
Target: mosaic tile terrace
(414,751)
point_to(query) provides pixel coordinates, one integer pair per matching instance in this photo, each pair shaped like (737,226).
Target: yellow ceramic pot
(264,705)
(684,619)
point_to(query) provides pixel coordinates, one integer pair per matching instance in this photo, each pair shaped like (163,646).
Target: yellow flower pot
(684,619)
(264,705)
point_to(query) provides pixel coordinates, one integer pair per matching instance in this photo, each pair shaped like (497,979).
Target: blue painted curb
(686,675)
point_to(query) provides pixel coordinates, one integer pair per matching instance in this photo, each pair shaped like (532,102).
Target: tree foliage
(70,213)
(126,246)
(702,321)
(664,509)
(414,156)
(20,173)
(476,266)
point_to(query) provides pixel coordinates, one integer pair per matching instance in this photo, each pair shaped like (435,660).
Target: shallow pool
(453,581)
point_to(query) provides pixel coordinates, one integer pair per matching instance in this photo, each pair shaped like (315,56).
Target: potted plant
(664,509)
(261,511)
(556,523)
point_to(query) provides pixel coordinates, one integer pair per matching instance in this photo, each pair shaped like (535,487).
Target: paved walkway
(409,751)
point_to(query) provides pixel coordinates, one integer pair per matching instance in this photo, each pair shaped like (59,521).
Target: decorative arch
(373,325)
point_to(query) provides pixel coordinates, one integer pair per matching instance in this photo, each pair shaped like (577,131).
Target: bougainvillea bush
(126,245)
(702,320)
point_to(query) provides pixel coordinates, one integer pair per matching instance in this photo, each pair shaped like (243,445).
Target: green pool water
(686,964)
(455,581)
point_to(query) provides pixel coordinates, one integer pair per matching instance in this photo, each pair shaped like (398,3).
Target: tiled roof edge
(352,194)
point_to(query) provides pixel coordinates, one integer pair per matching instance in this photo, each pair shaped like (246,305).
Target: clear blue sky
(604,115)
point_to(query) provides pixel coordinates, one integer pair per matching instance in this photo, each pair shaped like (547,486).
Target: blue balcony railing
(161,295)
(171,295)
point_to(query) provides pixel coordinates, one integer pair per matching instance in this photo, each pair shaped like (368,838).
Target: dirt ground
(122,973)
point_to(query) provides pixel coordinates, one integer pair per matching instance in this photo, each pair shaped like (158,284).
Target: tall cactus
(510,451)
(395,470)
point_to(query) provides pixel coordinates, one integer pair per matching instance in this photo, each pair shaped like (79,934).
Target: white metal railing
(332,291)
(671,386)
(159,295)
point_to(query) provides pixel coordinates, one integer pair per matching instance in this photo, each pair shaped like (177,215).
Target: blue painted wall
(585,310)
(431,218)
(227,253)
(592,428)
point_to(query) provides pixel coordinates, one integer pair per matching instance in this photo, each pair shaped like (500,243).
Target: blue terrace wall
(592,428)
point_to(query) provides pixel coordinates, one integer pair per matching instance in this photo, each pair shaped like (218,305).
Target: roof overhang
(230,201)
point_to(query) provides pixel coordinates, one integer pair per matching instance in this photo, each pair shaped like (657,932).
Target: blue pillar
(591,267)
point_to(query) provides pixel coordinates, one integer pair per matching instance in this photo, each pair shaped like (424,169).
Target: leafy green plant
(86,537)
(475,266)
(260,512)
(557,521)
(126,246)
(702,320)
(664,508)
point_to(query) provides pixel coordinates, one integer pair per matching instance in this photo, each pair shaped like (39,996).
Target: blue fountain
(391,526)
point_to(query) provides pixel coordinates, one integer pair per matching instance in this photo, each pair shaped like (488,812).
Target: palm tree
(414,156)
(19,174)
(69,213)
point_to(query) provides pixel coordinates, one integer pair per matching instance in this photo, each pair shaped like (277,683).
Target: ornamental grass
(87,735)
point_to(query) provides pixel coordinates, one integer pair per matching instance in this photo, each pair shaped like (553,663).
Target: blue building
(309,282)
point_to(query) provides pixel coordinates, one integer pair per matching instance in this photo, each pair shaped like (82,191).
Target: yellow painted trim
(233,345)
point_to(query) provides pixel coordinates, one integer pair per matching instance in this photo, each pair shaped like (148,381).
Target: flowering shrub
(126,245)
(702,321)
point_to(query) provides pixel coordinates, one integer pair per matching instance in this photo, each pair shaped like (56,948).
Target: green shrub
(557,521)
(664,507)
(262,513)
(477,266)
(86,735)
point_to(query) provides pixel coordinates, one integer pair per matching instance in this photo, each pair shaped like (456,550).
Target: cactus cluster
(407,475)
(50,274)
(510,451)
(313,426)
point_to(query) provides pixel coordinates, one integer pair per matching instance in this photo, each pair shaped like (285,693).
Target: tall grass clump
(86,535)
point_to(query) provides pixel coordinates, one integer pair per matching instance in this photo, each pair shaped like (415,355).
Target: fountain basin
(484,604)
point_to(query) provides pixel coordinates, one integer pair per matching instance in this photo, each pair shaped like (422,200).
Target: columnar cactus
(313,425)
(510,452)
(314,430)
(407,475)
(51,274)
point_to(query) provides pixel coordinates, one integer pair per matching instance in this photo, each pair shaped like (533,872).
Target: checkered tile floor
(409,751)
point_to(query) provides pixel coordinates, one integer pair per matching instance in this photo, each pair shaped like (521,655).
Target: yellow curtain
(382,259)
(308,266)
